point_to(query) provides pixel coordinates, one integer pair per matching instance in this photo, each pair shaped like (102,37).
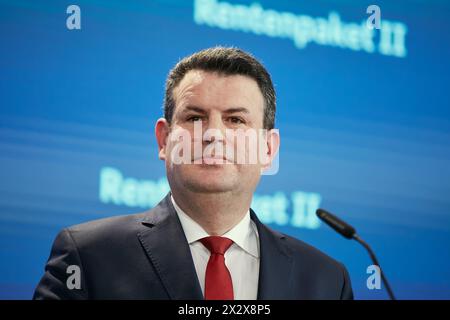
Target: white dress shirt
(241,259)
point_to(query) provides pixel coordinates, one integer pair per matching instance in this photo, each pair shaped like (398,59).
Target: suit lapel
(275,264)
(166,246)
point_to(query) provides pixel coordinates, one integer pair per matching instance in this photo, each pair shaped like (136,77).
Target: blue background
(368,132)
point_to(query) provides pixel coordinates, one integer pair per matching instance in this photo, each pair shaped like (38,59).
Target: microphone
(349,232)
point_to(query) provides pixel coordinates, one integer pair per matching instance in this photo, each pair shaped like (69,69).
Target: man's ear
(162,129)
(273,145)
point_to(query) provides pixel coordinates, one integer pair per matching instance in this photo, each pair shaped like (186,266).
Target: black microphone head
(337,224)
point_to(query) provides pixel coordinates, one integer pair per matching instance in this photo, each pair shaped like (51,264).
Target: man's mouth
(212,160)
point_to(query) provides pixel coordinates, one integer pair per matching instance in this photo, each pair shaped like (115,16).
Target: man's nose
(215,130)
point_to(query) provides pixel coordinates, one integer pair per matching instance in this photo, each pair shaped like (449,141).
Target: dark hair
(227,61)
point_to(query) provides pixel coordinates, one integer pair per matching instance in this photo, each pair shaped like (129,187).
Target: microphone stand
(375,262)
(347,231)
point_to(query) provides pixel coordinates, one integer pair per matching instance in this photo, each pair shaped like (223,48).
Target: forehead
(214,90)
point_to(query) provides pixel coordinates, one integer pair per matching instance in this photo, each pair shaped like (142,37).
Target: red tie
(218,284)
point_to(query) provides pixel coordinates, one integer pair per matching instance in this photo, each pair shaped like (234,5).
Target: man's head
(220,90)
(228,62)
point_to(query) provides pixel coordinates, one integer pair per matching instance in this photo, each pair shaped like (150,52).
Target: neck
(216,213)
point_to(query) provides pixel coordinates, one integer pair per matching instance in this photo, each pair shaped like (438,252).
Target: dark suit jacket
(146,256)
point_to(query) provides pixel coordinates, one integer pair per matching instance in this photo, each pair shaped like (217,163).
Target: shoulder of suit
(304,251)
(107,229)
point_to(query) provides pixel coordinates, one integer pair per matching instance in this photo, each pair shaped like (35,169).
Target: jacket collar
(167,247)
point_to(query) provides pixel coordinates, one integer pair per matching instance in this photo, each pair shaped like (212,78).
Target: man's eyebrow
(239,109)
(201,110)
(193,108)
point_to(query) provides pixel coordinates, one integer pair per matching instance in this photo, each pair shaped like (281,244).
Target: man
(202,240)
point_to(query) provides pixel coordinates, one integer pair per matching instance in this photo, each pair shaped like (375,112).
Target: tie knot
(216,244)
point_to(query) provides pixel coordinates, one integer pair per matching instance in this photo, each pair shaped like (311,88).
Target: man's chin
(210,186)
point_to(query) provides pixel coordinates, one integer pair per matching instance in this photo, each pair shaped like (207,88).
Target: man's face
(218,105)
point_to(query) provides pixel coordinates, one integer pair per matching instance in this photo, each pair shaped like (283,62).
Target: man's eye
(194,118)
(237,120)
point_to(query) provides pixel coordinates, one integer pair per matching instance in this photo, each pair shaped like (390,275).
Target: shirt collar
(244,234)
